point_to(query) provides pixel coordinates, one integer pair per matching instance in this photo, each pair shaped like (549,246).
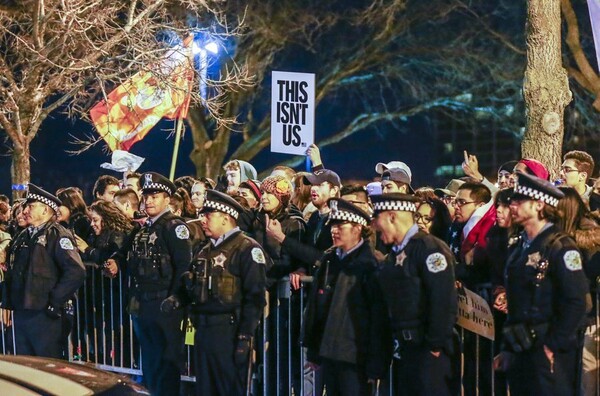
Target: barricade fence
(102,334)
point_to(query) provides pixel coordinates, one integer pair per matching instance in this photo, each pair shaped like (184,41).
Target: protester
(576,169)
(250,190)
(238,171)
(325,184)
(72,212)
(105,188)
(433,217)
(577,222)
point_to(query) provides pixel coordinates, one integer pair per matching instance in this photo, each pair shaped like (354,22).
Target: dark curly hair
(112,218)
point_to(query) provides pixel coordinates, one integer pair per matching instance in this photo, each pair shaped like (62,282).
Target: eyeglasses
(424,219)
(461,202)
(448,199)
(566,169)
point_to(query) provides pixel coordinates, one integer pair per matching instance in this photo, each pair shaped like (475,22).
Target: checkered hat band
(221,208)
(403,206)
(535,194)
(157,186)
(43,200)
(348,216)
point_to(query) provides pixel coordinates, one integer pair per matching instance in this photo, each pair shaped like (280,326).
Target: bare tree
(65,55)
(546,88)
(378,63)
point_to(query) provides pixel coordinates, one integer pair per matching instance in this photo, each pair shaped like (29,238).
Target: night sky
(354,158)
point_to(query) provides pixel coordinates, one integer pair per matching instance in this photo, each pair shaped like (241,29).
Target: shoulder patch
(436,262)
(182,232)
(66,243)
(572,260)
(258,256)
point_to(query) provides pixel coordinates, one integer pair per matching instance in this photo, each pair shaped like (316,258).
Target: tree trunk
(20,170)
(208,155)
(546,86)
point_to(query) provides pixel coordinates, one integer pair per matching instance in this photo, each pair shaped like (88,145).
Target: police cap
(534,188)
(35,193)
(396,202)
(342,211)
(155,182)
(220,202)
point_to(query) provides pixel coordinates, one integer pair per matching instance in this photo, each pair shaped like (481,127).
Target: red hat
(536,167)
(254,186)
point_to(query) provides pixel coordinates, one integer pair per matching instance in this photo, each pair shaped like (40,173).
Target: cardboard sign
(474,314)
(292,112)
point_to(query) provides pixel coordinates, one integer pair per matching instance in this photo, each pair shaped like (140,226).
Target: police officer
(546,290)
(417,279)
(351,352)
(226,287)
(159,255)
(44,272)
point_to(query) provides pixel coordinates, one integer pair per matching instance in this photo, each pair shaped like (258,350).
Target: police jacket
(159,254)
(228,278)
(418,285)
(560,298)
(43,269)
(292,226)
(317,239)
(346,318)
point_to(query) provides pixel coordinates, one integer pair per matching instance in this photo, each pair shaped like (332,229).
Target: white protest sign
(474,314)
(292,112)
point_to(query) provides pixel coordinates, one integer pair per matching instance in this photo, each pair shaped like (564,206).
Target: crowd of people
(381,264)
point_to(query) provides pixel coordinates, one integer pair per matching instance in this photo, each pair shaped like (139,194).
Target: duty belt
(215,319)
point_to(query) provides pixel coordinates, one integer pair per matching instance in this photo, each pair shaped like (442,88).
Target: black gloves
(242,351)
(53,312)
(170,304)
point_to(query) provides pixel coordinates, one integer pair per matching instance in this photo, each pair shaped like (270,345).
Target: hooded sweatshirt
(247,171)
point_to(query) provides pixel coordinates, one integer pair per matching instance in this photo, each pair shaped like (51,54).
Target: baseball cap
(323,175)
(398,175)
(451,188)
(381,167)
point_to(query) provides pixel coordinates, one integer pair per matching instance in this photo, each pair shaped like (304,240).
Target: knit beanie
(278,186)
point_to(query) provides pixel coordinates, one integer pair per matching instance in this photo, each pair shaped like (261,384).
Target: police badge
(572,260)
(400,258)
(152,238)
(436,262)
(219,261)
(182,232)
(66,244)
(533,259)
(42,240)
(258,256)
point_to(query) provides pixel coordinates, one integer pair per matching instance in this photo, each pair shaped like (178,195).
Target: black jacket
(43,269)
(346,318)
(293,227)
(561,294)
(317,239)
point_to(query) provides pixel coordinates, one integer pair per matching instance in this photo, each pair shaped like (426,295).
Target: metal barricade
(103,335)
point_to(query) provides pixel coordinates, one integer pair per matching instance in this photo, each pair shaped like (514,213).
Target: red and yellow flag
(133,108)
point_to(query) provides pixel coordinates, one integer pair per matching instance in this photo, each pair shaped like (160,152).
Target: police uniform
(226,287)
(546,292)
(44,272)
(160,253)
(346,323)
(417,279)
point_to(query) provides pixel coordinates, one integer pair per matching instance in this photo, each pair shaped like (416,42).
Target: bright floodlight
(212,47)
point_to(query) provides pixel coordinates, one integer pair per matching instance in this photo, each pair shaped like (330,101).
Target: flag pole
(178,130)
